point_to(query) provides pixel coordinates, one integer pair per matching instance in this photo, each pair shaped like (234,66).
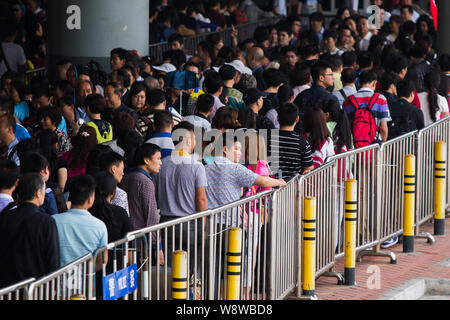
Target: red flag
(433,9)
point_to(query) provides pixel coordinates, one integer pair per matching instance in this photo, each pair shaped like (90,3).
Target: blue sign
(120,283)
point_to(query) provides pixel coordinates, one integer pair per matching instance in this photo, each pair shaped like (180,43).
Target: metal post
(439,187)
(351,213)
(179,275)
(234,258)
(409,200)
(309,247)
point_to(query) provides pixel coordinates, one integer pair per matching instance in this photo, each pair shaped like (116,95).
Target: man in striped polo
(380,109)
(291,153)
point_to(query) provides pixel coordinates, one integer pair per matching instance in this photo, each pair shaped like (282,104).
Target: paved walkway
(427,261)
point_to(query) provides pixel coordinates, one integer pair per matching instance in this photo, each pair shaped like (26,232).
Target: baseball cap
(166,67)
(239,66)
(251,96)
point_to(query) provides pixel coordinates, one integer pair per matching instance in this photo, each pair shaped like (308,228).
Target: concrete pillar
(84,30)
(443,40)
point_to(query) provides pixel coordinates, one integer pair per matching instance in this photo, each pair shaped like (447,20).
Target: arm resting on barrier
(267,182)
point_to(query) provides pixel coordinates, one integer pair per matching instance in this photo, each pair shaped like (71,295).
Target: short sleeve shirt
(176,183)
(226,181)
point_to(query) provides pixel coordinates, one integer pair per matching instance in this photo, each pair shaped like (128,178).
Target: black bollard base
(308,293)
(439,227)
(349,276)
(408,243)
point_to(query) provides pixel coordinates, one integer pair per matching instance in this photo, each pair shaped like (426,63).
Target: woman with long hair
(318,136)
(338,125)
(434,106)
(75,160)
(115,218)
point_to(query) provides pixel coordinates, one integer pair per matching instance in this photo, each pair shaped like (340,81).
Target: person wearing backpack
(405,116)
(368,112)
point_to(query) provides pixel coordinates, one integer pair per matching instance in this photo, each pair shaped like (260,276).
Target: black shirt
(404,114)
(29,244)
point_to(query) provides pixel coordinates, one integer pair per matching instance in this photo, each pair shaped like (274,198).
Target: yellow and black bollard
(234,258)
(351,213)
(409,201)
(78,296)
(439,187)
(179,275)
(309,247)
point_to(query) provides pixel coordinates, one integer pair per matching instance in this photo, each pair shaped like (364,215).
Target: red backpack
(364,129)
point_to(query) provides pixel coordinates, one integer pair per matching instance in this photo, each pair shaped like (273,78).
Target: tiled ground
(427,261)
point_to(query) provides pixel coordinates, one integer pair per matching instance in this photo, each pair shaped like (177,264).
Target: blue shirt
(49,205)
(22,111)
(164,141)
(21,133)
(79,233)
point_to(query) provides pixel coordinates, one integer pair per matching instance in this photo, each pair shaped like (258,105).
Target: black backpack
(401,123)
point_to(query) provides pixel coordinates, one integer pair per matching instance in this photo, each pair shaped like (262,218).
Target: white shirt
(442,103)
(364,42)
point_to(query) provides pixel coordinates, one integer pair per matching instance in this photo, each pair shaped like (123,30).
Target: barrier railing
(392,166)
(245,31)
(72,279)
(286,250)
(271,230)
(321,184)
(426,138)
(30,74)
(18,291)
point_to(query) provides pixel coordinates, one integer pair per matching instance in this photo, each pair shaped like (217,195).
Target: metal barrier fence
(286,250)
(245,31)
(426,138)
(392,167)
(271,238)
(30,74)
(18,291)
(74,279)
(321,184)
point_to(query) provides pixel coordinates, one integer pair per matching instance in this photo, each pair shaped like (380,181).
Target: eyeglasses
(328,75)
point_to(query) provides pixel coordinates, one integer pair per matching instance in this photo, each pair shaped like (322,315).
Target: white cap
(239,66)
(166,67)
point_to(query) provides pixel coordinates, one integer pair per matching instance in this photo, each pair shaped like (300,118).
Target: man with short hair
(7,136)
(285,37)
(9,178)
(316,21)
(348,77)
(205,104)
(7,107)
(79,232)
(181,185)
(213,85)
(230,77)
(292,155)
(163,124)
(34,162)
(14,57)
(389,81)
(255,58)
(380,108)
(114,104)
(363,40)
(114,163)
(139,185)
(29,238)
(404,115)
(323,78)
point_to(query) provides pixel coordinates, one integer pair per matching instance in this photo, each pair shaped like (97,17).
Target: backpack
(401,124)
(364,129)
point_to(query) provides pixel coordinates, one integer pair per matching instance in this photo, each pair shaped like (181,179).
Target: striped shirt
(380,109)
(291,154)
(164,141)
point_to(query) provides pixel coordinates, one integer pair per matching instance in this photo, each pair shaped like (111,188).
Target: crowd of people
(86,159)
